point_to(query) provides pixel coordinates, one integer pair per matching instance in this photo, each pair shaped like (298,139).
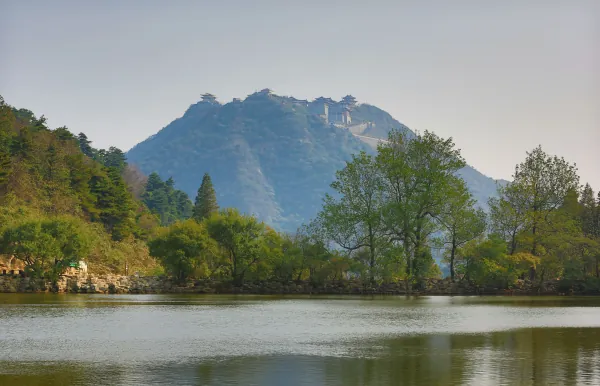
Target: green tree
(7,121)
(590,224)
(563,248)
(589,212)
(114,203)
(508,215)
(181,248)
(115,158)
(48,246)
(85,145)
(5,169)
(354,221)
(206,200)
(461,222)
(543,182)
(22,144)
(314,255)
(241,237)
(63,134)
(165,201)
(485,262)
(39,124)
(184,205)
(156,198)
(419,174)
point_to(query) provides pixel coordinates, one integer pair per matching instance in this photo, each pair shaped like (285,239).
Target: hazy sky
(499,76)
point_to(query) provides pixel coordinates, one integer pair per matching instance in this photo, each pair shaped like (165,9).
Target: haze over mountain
(272,156)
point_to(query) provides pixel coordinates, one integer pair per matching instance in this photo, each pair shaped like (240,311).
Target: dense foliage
(231,246)
(546,214)
(46,169)
(542,226)
(51,178)
(62,201)
(168,203)
(48,246)
(390,205)
(390,211)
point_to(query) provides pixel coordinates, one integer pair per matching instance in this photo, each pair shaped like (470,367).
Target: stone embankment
(117,284)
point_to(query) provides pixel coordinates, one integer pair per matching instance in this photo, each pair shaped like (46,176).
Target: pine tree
(154,183)
(185,208)
(155,197)
(597,222)
(165,201)
(39,124)
(22,145)
(206,200)
(114,202)
(6,127)
(85,145)
(170,183)
(63,133)
(115,158)
(5,168)
(588,211)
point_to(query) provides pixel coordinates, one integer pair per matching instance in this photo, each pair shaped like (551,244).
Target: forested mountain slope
(54,178)
(270,155)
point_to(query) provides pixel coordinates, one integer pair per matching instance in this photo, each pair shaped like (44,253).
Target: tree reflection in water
(565,356)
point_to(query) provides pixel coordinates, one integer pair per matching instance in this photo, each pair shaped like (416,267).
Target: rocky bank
(117,284)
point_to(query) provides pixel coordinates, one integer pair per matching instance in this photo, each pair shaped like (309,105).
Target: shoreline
(120,284)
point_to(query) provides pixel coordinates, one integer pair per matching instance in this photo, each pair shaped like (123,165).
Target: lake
(48,339)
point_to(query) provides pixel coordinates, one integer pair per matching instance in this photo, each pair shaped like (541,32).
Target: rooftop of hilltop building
(348,101)
(332,112)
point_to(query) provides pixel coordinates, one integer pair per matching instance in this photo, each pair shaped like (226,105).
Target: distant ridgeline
(272,156)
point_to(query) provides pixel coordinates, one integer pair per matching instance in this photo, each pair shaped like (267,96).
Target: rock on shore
(118,284)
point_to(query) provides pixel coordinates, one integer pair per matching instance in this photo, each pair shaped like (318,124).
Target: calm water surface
(261,340)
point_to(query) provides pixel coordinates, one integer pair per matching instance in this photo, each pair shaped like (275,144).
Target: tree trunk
(233,266)
(407,252)
(452,254)
(372,255)
(533,250)
(417,248)
(513,243)
(534,234)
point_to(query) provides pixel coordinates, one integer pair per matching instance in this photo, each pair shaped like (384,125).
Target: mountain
(269,155)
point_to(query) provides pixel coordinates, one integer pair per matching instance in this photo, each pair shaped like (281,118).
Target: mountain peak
(270,155)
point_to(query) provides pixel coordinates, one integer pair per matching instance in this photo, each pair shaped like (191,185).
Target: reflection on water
(229,340)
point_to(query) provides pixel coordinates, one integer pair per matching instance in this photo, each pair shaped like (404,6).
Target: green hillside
(54,183)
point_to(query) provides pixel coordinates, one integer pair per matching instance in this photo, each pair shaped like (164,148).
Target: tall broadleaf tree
(543,182)
(355,221)
(508,216)
(419,173)
(589,212)
(590,223)
(461,222)
(241,237)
